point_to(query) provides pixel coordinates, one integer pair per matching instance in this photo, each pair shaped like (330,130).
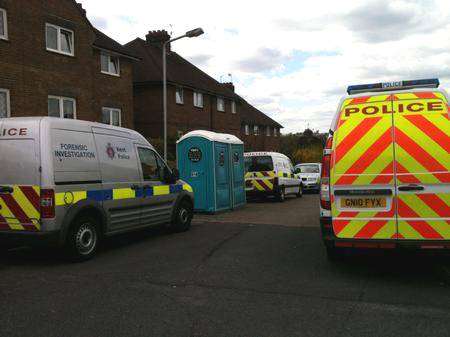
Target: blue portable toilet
(213,164)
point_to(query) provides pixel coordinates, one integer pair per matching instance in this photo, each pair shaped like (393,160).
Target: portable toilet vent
(213,164)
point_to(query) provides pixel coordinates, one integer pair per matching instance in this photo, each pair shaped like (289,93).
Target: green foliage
(303,147)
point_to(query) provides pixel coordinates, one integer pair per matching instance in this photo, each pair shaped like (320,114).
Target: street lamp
(190,34)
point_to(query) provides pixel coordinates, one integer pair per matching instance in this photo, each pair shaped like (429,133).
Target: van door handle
(6,189)
(411,188)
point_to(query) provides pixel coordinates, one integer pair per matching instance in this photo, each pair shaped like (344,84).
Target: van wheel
(281,195)
(83,239)
(183,217)
(300,192)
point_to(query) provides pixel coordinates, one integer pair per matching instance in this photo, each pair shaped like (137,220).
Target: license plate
(364,202)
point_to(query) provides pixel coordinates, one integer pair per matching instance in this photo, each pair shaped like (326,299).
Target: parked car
(73,182)
(271,174)
(310,175)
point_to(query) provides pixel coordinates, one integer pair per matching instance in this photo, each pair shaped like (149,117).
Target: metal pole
(165,98)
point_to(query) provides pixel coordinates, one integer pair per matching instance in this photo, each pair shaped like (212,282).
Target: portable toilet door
(194,158)
(222,176)
(238,172)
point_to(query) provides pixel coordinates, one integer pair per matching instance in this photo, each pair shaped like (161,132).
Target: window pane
(179,96)
(3,105)
(66,41)
(2,23)
(233,107)
(200,100)
(114,65)
(53,107)
(105,63)
(68,109)
(52,38)
(149,164)
(116,117)
(106,116)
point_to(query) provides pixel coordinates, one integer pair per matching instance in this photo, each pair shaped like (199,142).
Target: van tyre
(82,239)
(183,217)
(281,195)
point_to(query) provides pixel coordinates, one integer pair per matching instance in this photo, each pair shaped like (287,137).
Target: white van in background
(76,182)
(271,173)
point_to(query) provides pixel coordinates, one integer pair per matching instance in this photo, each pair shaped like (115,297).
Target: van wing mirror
(175,175)
(171,177)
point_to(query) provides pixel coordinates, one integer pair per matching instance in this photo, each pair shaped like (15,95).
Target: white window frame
(5,24)
(8,103)
(109,72)
(233,107)
(247,129)
(181,96)
(256,130)
(58,40)
(111,110)
(221,107)
(61,105)
(196,95)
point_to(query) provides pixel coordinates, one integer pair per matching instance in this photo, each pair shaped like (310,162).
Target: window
(233,107)
(220,104)
(59,39)
(180,134)
(179,95)
(247,129)
(275,132)
(152,165)
(4,103)
(110,64)
(258,163)
(198,99)
(112,116)
(3,25)
(62,107)
(256,130)
(268,131)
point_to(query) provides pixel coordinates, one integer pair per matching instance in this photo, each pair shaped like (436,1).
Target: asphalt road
(225,279)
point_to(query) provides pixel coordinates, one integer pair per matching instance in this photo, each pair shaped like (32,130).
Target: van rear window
(258,164)
(19,164)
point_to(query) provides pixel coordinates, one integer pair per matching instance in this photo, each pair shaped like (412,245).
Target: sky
(293,60)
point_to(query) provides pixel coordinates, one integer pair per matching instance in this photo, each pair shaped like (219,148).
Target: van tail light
(47,201)
(325,197)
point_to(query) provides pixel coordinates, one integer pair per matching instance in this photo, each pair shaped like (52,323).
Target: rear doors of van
(390,166)
(19,177)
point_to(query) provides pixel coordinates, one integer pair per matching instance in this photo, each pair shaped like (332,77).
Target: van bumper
(15,238)
(330,240)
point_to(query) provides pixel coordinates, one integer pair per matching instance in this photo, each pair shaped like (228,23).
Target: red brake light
(47,201)
(325,176)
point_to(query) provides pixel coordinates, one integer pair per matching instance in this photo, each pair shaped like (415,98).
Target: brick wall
(31,73)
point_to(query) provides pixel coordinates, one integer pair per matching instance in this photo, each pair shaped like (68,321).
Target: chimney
(80,6)
(157,37)
(229,85)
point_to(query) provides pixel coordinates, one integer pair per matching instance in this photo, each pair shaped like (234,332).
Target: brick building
(54,62)
(194,99)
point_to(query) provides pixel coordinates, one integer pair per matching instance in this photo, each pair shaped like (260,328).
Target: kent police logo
(110,151)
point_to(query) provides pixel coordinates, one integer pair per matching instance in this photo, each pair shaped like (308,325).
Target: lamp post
(190,34)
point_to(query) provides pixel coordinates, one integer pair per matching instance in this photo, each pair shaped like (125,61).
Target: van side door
(121,181)
(158,196)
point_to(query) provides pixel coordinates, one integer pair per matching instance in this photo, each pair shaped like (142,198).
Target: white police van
(77,182)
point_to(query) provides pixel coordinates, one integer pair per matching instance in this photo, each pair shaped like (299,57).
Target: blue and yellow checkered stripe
(72,197)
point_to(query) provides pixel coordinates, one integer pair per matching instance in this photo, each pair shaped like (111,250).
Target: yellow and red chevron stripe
(20,210)
(261,181)
(363,155)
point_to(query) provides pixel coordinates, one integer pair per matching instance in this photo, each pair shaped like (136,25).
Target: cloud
(264,59)
(200,59)
(99,22)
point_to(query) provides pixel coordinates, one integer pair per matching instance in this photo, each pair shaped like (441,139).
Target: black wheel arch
(82,208)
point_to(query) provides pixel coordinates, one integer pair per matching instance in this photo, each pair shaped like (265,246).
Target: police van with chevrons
(75,182)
